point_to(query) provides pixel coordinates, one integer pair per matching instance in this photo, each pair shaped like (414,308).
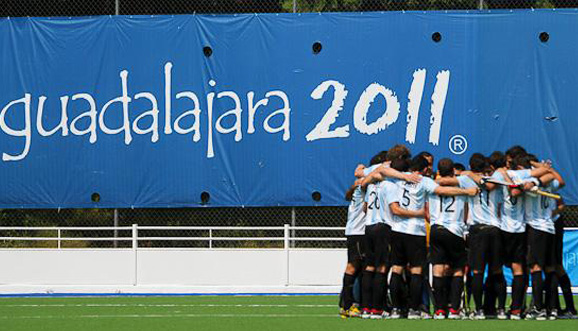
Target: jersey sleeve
(391,192)
(429,185)
(463,181)
(523,174)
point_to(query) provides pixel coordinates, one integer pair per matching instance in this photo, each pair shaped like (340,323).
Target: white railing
(287,237)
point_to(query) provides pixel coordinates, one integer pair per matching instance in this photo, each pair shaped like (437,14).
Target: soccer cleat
(376,314)
(567,314)
(366,314)
(479,315)
(343,313)
(454,314)
(440,314)
(501,314)
(516,315)
(413,314)
(354,312)
(553,315)
(542,315)
(425,315)
(395,314)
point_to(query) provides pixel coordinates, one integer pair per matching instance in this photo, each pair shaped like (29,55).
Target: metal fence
(322,225)
(160,7)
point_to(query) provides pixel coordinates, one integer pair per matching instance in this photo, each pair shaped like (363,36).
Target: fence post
(58,238)
(115,244)
(116,7)
(134,252)
(481,5)
(294,6)
(210,238)
(286,248)
(293,224)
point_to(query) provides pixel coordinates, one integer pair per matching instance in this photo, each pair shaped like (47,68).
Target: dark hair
(378,158)
(459,166)
(400,165)
(521,161)
(498,159)
(446,167)
(516,151)
(398,152)
(478,162)
(533,158)
(418,163)
(425,154)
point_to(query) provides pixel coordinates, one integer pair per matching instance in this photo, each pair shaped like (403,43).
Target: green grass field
(219,313)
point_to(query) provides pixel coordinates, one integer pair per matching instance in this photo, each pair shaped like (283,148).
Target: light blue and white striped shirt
(512,211)
(448,211)
(378,201)
(412,196)
(538,209)
(355,214)
(483,208)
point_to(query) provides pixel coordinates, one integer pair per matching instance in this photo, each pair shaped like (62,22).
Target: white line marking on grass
(166,305)
(169,316)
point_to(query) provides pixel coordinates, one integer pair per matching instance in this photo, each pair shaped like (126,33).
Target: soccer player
(447,244)
(408,238)
(379,194)
(563,279)
(541,242)
(484,231)
(458,168)
(354,232)
(513,230)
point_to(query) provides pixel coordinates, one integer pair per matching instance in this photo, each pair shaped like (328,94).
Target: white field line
(166,305)
(168,316)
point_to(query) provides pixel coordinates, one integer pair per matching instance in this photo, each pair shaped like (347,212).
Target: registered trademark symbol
(458,144)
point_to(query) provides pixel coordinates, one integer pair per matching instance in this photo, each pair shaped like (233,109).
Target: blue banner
(265,110)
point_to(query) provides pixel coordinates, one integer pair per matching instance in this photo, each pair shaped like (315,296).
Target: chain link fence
(16,8)
(213,217)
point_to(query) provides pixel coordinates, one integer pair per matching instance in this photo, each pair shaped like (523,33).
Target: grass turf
(236,313)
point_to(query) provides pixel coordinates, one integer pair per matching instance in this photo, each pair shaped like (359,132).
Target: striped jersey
(355,214)
(512,210)
(538,209)
(448,211)
(483,208)
(368,192)
(412,196)
(378,202)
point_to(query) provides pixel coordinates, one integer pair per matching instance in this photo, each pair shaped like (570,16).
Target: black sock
(439,289)
(566,286)
(347,293)
(456,289)
(468,287)
(396,290)
(518,287)
(500,290)
(366,289)
(379,290)
(537,289)
(478,289)
(490,296)
(552,296)
(415,291)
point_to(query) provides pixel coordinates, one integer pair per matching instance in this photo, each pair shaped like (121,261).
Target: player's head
(419,164)
(378,158)
(521,162)
(398,152)
(446,167)
(497,160)
(533,158)
(430,161)
(514,152)
(400,165)
(458,168)
(478,162)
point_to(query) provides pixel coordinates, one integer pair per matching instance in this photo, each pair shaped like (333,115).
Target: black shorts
(355,253)
(515,246)
(407,249)
(377,242)
(541,248)
(485,247)
(447,248)
(559,241)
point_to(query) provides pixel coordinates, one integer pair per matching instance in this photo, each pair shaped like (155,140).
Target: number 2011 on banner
(391,113)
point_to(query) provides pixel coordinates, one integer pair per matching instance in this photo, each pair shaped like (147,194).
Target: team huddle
(502,212)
